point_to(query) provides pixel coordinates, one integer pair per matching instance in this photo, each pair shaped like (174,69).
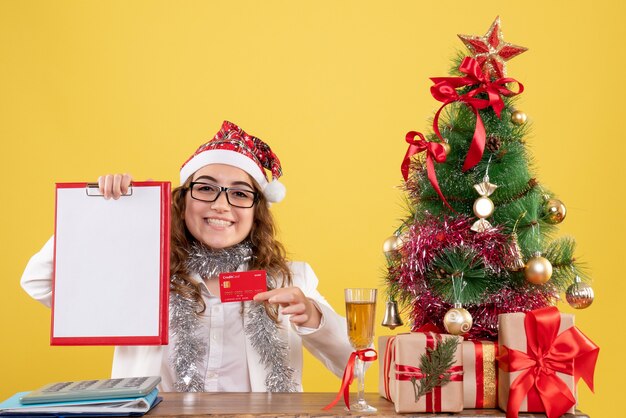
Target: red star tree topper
(491,51)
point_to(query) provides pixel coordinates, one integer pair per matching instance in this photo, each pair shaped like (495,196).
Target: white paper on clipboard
(111,266)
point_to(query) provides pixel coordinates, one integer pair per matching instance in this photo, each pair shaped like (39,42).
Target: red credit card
(239,286)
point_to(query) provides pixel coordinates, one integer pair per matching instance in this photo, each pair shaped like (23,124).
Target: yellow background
(88,88)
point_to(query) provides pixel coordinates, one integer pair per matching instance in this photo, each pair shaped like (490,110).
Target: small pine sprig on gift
(434,364)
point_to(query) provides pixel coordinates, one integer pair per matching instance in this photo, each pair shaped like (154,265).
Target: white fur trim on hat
(275,191)
(220,156)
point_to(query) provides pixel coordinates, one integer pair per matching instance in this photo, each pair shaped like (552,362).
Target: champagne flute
(360,313)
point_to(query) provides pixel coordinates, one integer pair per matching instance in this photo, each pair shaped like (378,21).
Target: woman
(221,222)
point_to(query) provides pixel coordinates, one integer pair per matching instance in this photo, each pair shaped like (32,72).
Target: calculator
(128,387)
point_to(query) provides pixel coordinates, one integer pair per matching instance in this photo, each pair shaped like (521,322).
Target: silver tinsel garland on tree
(190,348)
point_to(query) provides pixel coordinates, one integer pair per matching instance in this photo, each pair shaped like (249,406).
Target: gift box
(383,381)
(480,374)
(401,375)
(541,357)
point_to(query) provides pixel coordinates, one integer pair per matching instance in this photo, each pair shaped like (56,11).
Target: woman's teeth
(218,222)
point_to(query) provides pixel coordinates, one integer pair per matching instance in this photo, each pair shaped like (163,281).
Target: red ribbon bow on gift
(434,151)
(548,352)
(444,90)
(368,354)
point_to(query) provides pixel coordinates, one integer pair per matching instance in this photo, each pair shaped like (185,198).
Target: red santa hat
(232,146)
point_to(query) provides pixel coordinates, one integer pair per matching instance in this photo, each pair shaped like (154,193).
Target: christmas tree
(479,237)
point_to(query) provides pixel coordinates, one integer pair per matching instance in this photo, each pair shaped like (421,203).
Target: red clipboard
(111,266)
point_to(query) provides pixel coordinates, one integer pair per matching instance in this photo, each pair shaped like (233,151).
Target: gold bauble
(403,238)
(457,321)
(554,211)
(579,295)
(538,270)
(518,117)
(446,147)
(483,207)
(391,245)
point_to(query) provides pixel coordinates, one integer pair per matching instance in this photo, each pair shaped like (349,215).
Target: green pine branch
(460,262)
(435,364)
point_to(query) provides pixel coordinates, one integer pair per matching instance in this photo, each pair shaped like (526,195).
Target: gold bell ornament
(392,315)
(579,295)
(538,269)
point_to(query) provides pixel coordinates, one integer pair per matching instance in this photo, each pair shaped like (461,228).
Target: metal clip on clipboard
(93,189)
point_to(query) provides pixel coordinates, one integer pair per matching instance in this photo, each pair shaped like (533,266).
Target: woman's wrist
(314,314)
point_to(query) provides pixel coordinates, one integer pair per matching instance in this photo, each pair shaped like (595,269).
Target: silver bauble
(579,295)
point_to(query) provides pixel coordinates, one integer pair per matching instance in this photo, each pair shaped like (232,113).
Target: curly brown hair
(269,253)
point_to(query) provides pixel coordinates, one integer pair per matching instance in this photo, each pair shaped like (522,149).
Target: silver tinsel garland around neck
(190,348)
(208,263)
(274,352)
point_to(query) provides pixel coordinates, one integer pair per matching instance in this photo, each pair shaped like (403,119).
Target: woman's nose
(221,203)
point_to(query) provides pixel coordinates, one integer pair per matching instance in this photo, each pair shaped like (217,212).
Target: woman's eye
(206,189)
(241,194)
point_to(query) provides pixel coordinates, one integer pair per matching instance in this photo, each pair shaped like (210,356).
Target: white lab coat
(329,343)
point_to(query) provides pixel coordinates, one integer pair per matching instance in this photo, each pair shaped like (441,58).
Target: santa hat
(232,146)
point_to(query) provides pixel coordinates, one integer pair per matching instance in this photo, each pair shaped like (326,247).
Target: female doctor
(221,222)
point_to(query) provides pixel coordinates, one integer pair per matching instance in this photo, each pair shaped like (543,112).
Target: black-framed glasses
(207,192)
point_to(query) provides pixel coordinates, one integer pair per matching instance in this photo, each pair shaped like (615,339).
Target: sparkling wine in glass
(360,314)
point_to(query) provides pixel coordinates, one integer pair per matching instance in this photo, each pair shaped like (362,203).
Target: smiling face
(217,224)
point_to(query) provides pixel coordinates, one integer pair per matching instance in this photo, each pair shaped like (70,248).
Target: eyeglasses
(207,192)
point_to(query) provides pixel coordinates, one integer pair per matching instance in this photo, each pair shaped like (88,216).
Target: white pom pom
(275,191)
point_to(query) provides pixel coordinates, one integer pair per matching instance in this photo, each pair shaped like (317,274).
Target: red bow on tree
(444,90)
(570,352)
(434,151)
